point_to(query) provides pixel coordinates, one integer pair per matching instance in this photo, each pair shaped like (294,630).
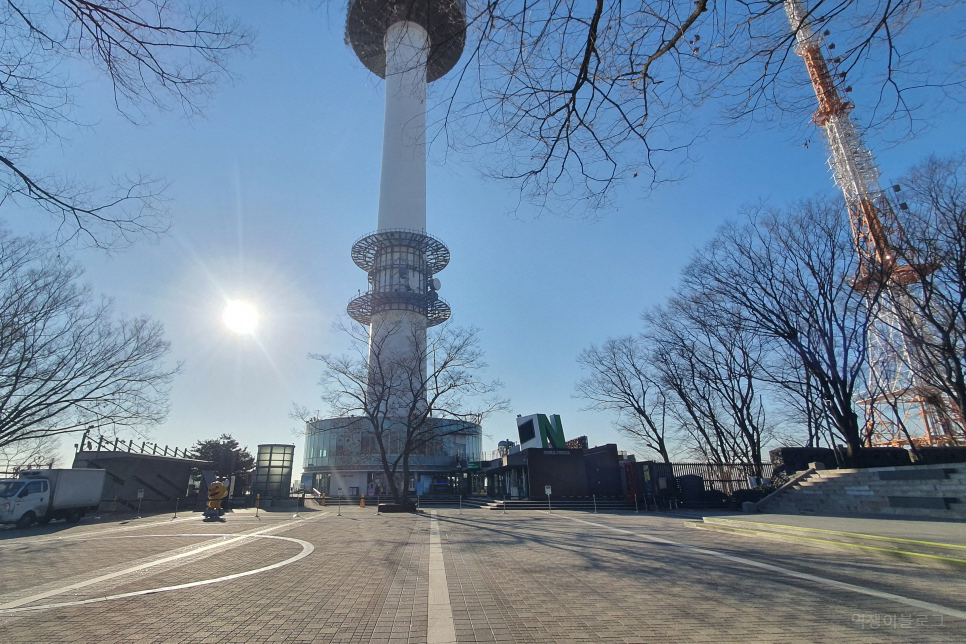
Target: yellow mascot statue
(216,492)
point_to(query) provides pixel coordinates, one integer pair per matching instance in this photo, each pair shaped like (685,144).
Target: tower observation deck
(409,43)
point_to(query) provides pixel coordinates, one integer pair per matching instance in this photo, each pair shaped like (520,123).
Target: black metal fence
(723,477)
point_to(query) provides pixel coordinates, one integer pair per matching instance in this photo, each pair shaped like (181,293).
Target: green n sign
(551,431)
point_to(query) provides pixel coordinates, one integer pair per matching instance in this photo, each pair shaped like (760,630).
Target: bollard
(323,498)
(461,505)
(636,508)
(257,497)
(362,501)
(340,505)
(549,509)
(504,504)
(176,502)
(595,504)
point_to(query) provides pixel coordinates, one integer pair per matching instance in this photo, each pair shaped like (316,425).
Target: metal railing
(724,477)
(105,444)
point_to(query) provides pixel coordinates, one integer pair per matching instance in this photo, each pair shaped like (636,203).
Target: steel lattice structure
(897,398)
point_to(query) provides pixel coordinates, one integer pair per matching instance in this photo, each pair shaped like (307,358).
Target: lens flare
(240,317)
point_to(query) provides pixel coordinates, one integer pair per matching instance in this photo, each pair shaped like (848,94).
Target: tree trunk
(849,427)
(405,485)
(662,448)
(390,478)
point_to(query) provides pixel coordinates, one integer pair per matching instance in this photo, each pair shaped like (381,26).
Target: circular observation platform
(367,249)
(444,20)
(362,307)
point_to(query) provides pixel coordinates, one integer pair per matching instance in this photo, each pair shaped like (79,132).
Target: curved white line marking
(307,549)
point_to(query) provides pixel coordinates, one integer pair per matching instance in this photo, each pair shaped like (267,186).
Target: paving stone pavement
(519,577)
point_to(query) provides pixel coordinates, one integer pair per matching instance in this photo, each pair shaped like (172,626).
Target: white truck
(45,495)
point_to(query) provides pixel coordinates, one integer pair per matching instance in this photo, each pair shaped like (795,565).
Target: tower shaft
(398,336)
(402,187)
(409,43)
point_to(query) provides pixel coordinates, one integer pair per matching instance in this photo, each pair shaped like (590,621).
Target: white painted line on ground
(441,629)
(85,535)
(20,604)
(908,601)
(16,607)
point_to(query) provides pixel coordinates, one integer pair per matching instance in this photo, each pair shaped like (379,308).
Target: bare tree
(408,400)
(798,401)
(580,96)
(155,53)
(65,364)
(714,367)
(25,454)
(789,277)
(621,380)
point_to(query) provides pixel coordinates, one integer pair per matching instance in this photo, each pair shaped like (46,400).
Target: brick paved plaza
(479,576)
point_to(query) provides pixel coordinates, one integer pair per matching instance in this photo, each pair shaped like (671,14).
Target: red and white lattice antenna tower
(874,226)
(852,164)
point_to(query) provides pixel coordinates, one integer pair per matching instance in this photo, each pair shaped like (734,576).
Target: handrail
(795,479)
(117,444)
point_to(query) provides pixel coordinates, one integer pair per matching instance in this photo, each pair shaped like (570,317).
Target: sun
(241,317)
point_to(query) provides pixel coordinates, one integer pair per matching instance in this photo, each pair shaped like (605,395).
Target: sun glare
(240,317)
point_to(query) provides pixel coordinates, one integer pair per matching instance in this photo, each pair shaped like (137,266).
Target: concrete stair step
(869,492)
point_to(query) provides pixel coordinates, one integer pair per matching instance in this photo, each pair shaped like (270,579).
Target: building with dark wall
(569,473)
(164,480)
(562,469)
(602,465)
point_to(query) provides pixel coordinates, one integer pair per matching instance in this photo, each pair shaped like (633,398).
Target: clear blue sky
(271,188)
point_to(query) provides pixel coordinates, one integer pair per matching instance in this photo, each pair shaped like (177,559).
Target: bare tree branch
(621,380)
(790,277)
(65,364)
(158,54)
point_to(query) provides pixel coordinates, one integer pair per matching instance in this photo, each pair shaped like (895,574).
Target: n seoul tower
(409,43)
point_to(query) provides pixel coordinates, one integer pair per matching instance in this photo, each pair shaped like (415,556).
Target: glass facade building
(344,453)
(273,471)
